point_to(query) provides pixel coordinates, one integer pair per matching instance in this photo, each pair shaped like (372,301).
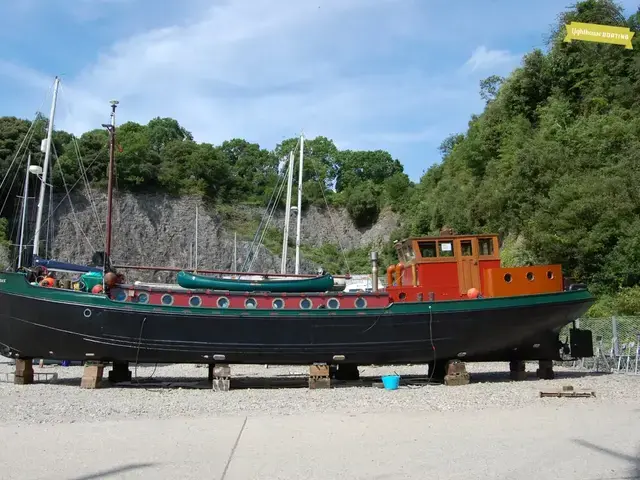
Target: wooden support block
(221,384)
(456,373)
(319,376)
(222,371)
(220,377)
(319,382)
(92,375)
(517,370)
(319,370)
(545,370)
(24,371)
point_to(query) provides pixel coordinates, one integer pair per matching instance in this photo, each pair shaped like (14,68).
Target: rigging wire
(29,135)
(15,175)
(73,211)
(264,231)
(83,174)
(270,209)
(70,190)
(322,188)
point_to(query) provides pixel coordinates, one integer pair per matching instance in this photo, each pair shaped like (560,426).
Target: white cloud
(264,70)
(255,69)
(485,59)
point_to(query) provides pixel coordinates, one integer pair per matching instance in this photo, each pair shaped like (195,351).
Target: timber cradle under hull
(92,327)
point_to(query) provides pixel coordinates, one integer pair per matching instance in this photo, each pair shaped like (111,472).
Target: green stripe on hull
(15,283)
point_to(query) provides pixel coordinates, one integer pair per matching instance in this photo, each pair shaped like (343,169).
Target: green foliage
(332,259)
(363,203)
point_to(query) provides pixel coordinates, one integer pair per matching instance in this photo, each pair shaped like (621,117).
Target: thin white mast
(235,251)
(25,193)
(287,214)
(45,169)
(299,218)
(195,253)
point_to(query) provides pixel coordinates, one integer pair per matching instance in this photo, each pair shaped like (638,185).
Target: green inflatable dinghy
(322,283)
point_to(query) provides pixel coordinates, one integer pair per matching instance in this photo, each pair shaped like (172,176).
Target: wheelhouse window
(446,248)
(428,249)
(409,254)
(486,246)
(466,248)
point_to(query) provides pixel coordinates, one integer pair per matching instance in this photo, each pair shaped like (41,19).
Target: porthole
(195,301)
(360,302)
(223,302)
(402,296)
(250,303)
(277,303)
(530,276)
(86,313)
(142,297)
(306,304)
(550,275)
(507,277)
(121,296)
(167,299)
(333,303)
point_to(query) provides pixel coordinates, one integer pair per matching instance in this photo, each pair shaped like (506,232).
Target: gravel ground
(64,401)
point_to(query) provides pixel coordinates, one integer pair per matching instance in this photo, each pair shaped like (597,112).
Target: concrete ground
(584,440)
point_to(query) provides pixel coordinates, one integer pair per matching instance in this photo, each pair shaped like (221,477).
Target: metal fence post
(614,331)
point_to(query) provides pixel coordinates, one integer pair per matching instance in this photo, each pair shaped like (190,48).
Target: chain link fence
(616,344)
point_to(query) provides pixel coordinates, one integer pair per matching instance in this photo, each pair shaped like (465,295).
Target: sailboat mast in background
(45,169)
(299,218)
(287,214)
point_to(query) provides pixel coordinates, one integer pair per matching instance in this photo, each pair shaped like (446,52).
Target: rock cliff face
(158,229)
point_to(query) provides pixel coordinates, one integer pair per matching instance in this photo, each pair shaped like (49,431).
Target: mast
(25,193)
(112,153)
(195,252)
(287,214)
(299,218)
(235,251)
(45,169)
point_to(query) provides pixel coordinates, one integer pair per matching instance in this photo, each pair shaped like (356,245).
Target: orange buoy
(96,289)
(47,282)
(473,292)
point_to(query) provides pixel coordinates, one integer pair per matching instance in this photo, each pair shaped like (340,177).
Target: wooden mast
(112,144)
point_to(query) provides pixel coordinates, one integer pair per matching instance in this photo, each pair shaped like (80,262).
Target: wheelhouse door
(468,267)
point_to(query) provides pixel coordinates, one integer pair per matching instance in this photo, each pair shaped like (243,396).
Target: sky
(396,75)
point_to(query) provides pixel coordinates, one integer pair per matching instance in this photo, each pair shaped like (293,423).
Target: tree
(489,87)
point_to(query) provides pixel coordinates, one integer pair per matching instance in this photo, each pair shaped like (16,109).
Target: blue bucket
(391,382)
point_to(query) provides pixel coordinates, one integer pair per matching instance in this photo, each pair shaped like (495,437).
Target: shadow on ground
(634,461)
(114,471)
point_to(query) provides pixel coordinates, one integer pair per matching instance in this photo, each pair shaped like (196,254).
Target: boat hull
(67,325)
